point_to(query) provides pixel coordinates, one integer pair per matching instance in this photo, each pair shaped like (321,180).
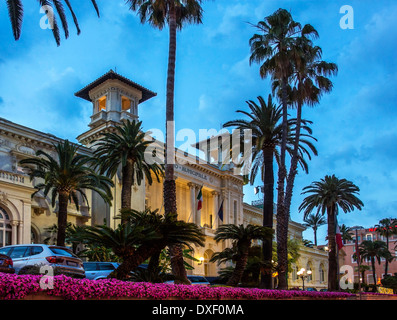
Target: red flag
(200,200)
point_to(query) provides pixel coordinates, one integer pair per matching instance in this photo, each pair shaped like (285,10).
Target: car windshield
(62,252)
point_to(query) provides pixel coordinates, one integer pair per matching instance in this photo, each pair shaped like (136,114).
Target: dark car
(6,265)
(99,270)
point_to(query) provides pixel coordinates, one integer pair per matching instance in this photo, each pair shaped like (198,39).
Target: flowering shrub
(14,287)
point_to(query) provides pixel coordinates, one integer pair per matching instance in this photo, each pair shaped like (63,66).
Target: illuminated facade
(114,99)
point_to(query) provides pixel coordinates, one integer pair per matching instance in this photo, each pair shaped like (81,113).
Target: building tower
(114,99)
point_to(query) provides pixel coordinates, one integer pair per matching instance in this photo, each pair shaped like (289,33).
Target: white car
(60,258)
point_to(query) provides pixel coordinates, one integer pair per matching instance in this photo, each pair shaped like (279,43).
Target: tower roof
(111,75)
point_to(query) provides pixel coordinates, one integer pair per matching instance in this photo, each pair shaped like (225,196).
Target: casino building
(114,98)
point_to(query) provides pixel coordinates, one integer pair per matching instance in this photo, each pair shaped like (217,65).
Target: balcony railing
(14,177)
(99,117)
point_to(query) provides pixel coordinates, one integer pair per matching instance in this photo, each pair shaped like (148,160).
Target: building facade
(313,258)
(114,99)
(370,234)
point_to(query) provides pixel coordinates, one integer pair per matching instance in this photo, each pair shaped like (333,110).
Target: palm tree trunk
(373,270)
(131,262)
(154,261)
(332,263)
(282,220)
(294,162)
(177,265)
(387,260)
(315,235)
(63,199)
(268,198)
(238,270)
(126,190)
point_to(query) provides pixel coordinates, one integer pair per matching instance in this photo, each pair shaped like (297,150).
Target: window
(62,252)
(5,251)
(5,228)
(89,266)
(309,275)
(35,250)
(294,274)
(125,104)
(19,252)
(106,266)
(102,103)
(322,274)
(235,211)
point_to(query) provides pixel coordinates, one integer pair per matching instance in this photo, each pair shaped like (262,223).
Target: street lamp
(356,228)
(303,274)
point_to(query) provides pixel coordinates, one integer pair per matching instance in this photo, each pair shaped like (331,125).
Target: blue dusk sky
(354,125)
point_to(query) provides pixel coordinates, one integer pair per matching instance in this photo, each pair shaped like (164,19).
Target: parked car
(310,289)
(6,264)
(195,280)
(99,270)
(60,258)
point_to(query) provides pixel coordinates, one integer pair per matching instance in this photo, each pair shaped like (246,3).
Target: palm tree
(273,48)
(175,13)
(372,250)
(143,235)
(266,127)
(386,228)
(314,221)
(15,12)
(362,270)
(346,233)
(329,195)
(124,241)
(241,237)
(309,83)
(125,148)
(65,178)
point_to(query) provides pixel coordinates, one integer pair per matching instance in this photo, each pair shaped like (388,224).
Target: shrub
(14,287)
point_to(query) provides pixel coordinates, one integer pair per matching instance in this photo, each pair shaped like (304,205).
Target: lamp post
(302,273)
(356,228)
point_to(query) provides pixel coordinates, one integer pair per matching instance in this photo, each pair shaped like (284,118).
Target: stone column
(20,233)
(192,215)
(215,195)
(14,229)
(198,212)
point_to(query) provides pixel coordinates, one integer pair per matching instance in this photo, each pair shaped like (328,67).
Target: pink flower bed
(14,287)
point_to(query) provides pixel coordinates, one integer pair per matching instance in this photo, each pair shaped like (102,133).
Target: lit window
(102,103)
(125,104)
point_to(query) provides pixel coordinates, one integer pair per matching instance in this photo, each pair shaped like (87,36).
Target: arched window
(322,274)
(209,267)
(309,275)
(5,228)
(294,273)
